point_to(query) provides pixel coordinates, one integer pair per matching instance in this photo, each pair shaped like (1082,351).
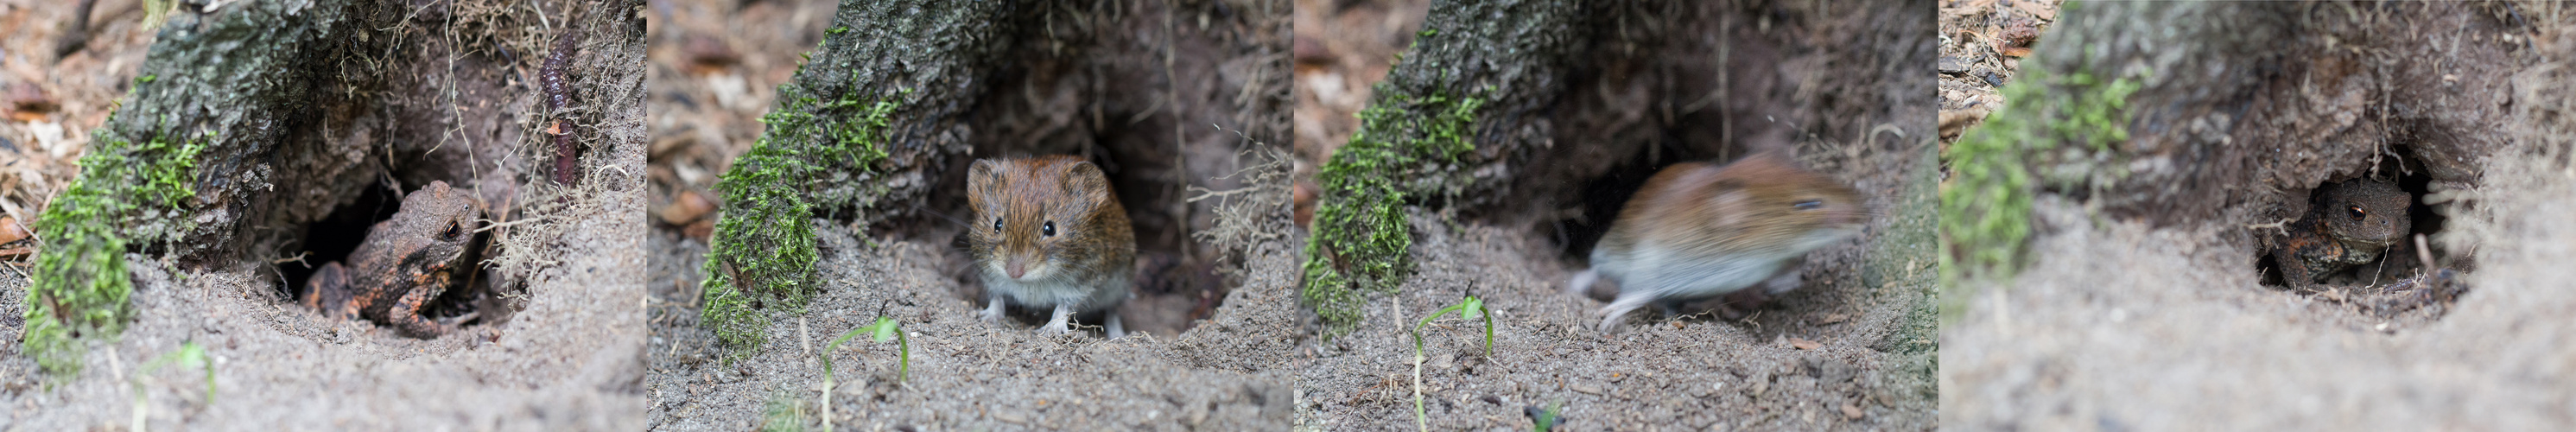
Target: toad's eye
(2357,212)
(1048,229)
(1809,205)
(452,232)
(997,224)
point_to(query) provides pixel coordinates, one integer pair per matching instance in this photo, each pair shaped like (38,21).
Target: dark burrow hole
(2394,283)
(336,236)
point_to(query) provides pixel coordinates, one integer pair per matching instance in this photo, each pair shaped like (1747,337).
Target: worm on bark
(559,104)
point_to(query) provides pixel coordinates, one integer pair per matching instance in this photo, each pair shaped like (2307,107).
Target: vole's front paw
(1056,327)
(993,312)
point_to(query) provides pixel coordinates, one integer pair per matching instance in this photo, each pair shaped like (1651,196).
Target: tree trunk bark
(257,118)
(872,117)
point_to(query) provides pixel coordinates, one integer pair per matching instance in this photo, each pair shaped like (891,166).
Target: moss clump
(127,193)
(763,251)
(1360,230)
(1985,208)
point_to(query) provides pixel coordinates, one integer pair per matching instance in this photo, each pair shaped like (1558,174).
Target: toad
(2349,223)
(405,262)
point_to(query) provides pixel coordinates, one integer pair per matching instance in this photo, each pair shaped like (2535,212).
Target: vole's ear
(1084,178)
(985,171)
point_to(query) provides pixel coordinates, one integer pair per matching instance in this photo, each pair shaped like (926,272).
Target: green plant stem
(1420,416)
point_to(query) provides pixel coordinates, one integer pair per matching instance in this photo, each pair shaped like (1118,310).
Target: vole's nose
(1016,268)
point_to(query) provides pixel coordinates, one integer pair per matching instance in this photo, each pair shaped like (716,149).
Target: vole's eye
(453,230)
(1809,205)
(2357,213)
(997,224)
(1047,229)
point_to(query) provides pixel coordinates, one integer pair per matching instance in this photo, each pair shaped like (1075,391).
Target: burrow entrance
(336,236)
(449,106)
(2414,277)
(2423,114)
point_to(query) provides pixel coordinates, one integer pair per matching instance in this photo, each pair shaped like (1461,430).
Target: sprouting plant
(1545,419)
(885,329)
(1470,308)
(190,355)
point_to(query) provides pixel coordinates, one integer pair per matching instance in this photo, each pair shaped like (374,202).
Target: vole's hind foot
(1619,309)
(1116,330)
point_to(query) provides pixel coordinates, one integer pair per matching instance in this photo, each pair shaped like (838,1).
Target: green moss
(783,413)
(762,255)
(1985,208)
(127,193)
(1361,234)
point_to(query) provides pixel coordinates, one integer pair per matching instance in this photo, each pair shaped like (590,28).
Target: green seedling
(1545,419)
(885,329)
(190,355)
(1470,308)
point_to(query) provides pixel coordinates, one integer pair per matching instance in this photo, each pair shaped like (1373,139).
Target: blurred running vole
(1698,230)
(2350,223)
(1049,233)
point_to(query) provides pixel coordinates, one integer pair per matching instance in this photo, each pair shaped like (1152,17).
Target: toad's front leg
(405,312)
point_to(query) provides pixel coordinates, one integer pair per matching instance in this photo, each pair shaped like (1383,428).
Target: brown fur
(1697,230)
(1094,247)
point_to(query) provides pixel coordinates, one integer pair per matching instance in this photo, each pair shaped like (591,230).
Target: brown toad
(2350,223)
(407,261)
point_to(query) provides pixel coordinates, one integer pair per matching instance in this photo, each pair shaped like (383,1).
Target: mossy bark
(266,115)
(170,170)
(1479,75)
(2175,113)
(872,117)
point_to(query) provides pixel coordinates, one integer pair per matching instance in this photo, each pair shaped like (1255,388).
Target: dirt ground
(1982,43)
(1852,350)
(2167,321)
(1190,363)
(566,356)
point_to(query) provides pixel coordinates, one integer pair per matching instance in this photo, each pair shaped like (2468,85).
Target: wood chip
(11,230)
(686,207)
(1805,344)
(1583,387)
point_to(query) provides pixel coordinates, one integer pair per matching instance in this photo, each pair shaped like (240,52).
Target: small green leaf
(885,329)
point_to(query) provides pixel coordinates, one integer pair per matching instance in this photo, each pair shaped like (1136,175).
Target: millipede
(559,102)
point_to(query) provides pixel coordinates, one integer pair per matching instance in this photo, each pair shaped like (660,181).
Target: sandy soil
(567,356)
(2154,322)
(1982,43)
